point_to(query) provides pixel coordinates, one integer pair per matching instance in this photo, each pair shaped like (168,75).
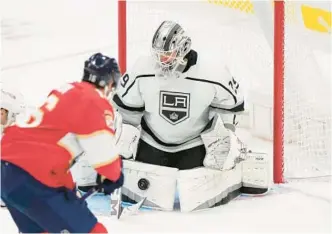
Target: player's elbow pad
(111,171)
(102,153)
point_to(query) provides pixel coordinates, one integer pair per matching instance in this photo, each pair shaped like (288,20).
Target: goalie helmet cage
(298,120)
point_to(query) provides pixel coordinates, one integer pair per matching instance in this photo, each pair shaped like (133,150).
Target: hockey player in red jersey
(36,183)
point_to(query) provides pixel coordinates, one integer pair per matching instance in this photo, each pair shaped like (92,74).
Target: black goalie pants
(183,160)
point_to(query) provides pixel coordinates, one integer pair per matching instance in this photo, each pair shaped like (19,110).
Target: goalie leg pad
(155,183)
(256,173)
(203,188)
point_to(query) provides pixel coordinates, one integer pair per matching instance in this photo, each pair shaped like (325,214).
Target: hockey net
(289,63)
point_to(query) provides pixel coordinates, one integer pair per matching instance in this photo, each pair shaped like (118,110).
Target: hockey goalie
(182,107)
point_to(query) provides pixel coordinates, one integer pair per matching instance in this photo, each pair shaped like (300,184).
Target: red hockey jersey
(76,118)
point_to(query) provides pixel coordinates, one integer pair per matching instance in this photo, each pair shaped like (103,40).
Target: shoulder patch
(109,119)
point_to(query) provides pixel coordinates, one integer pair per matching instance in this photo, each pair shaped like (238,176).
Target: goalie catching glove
(223,148)
(224,151)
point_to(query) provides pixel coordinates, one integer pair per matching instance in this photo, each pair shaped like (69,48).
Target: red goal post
(122,34)
(278,100)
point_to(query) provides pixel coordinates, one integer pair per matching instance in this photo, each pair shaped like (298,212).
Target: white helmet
(170,45)
(13,103)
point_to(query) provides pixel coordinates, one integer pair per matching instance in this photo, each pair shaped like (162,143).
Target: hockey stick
(88,194)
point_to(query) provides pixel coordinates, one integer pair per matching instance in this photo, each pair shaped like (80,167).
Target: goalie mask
(170,45)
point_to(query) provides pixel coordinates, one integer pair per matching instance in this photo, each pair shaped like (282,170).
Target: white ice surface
(302,208)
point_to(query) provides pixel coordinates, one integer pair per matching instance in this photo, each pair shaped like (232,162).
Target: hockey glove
(107,186)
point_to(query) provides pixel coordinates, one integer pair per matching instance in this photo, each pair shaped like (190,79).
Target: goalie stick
(117,208)
(131,210)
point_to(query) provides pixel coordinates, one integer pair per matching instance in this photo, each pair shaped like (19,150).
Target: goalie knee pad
(255,173)
(155,183)
(203,188)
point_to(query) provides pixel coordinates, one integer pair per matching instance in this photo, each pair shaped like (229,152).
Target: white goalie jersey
(174,111)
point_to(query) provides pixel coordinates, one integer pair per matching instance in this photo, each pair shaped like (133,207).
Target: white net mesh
(307,104)
(242,30)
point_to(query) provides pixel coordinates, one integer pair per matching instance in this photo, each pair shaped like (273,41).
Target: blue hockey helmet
(100,70)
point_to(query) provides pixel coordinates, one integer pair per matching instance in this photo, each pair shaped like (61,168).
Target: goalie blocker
(230,169)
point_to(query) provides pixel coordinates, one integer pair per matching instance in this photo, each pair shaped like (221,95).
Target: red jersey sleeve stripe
(110,170)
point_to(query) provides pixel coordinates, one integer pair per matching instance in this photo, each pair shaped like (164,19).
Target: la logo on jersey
(174,106)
